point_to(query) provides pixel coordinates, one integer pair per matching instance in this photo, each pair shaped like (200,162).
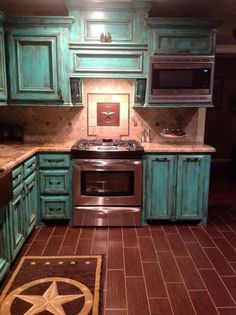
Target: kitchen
(50,132)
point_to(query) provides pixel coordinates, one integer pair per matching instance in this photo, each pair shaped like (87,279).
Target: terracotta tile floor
(158,269)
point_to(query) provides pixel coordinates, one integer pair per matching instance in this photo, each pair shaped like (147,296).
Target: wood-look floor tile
(36,248)
(84,246)
(226,249)
(219,262)
(115,290)
(147,249)
(137,298)
(115,258)
(216,288)
(160,240)
(34,233)
(190,274)
(99,247)
(169,228)
(44,233)
(227,311)
(233,265)
(129,237)
(220,224)
(230,283)
(177,245)
(115,235)
(199,257)
(53,246)
(60,230)
(212,230)
(143,231)
(154,281)
(203,303)
(186,234)
(231,238)
(169,267)
(133,265)
(72,236)
(160,307)
(87,233)
(67,250)
(179,299)
(202,237)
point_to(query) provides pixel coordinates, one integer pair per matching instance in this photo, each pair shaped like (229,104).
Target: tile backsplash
(45,123)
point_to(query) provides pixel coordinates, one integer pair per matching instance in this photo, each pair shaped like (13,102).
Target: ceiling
(168,8)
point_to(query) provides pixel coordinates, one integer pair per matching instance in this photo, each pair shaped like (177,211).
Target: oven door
(108,182)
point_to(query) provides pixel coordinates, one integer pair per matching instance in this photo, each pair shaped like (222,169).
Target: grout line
(123,251)
(78,239)
(42,253)
(63,240)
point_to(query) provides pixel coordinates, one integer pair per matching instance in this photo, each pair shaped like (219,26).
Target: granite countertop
(12,154)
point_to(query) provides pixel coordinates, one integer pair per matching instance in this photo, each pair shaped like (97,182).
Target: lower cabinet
(17,220)
(4,243)
(176,187)
(31,198)
(55,186)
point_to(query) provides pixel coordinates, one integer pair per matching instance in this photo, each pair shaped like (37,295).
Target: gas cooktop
(106,148)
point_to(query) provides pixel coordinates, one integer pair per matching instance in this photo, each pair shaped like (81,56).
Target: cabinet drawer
(17,176)
(29,166)
(54,182)
(55,207)
(54,160)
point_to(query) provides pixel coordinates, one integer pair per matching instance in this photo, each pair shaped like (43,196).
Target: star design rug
(58,285)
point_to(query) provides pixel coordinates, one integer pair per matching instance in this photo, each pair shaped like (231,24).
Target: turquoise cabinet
(182,36)
(38,57)
(3,81)
(4,243)
(176,187)
(17,220)
(31,207)
(55,186)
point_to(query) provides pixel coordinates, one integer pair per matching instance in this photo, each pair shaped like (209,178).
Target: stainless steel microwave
(181,79)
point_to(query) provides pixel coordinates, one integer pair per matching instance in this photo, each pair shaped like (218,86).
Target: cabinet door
(3,81)
(160,178)
(192,187)
(17,220)
(4,243)
(31,202)
(182,42)
(37,65)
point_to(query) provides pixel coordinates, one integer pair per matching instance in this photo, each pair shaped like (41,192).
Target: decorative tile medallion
(108,115)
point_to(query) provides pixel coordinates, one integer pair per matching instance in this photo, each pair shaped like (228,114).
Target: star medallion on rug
(58,285)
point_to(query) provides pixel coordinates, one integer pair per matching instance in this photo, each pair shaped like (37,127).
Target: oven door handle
(103,164)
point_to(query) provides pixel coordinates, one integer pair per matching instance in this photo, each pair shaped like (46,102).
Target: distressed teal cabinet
(31,194)
(38,57)
(182,36)
(4,243)
(55,186)
(17,220)
(176,187)
(3,81)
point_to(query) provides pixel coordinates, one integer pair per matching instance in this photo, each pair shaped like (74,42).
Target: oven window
(181,78)
(107,183)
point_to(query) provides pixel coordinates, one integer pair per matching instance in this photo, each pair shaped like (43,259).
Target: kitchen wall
(70,123)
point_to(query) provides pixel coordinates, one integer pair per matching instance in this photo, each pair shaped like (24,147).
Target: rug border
(97,276)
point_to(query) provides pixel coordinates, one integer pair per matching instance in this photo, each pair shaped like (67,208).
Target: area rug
(58,285)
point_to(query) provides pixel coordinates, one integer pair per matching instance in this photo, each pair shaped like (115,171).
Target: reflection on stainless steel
(107,183)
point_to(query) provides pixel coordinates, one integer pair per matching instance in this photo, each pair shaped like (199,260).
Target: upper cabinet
(177,36)
(108,39)
(38,58)
(3,81)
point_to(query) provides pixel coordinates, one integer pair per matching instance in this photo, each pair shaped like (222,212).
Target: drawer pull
(54,209)
(161,159)
(192,159)
(57,183)
(53,161)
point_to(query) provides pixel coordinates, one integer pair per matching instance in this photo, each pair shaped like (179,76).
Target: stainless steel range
(107,182)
